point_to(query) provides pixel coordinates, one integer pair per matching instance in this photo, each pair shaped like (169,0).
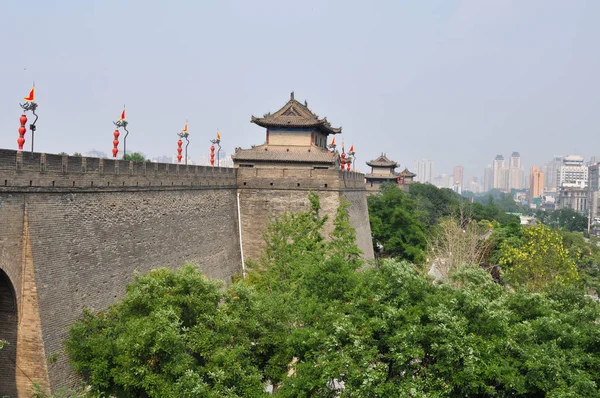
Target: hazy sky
(454,81)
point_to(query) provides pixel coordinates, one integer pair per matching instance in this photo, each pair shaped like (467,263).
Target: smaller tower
(384,170)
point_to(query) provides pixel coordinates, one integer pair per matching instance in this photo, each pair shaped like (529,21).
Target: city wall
(73,232)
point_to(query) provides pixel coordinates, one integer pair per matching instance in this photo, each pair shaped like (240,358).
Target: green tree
(567,219)
(435,203)
(135,157)
(63,154)
(586,256)
(396,224)
(77,154)
(175,334)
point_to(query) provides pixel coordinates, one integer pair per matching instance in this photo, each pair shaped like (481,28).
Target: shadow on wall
(8,332)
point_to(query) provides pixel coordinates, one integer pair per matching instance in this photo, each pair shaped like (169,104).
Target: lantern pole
(217,142)
(31,106)
(125,138)
(352,155)
(185,135)
(119,124)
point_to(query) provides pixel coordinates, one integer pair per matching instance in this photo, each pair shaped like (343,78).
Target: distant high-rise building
(488,178)
(572,179)
(474,186)
(536,183)
(551,171)
(572,172)
(515,172)
(458,176)
(444,181)
(594,189)
(424,170)
(499,173)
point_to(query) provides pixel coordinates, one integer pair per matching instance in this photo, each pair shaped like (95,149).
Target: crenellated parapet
(20,170)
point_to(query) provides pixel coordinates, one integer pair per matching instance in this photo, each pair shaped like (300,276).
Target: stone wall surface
(87,246)
(268,193)
(359,218)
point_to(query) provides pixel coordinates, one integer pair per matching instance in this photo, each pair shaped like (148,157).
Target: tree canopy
(135,157)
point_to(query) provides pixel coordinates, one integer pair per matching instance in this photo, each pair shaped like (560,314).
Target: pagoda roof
(282,153)
(382,161)
(407,173)
(295,114)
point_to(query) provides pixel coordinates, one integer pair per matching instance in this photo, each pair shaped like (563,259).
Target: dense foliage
(311,320)
(567,219)
(403,222)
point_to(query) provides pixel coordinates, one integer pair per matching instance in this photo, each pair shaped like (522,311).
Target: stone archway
(8,332)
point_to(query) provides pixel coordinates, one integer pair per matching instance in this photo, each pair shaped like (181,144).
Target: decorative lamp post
(184,134)
(352,157)
(216,142)
(332,145)
(115,149)
(29,105)
(122,122)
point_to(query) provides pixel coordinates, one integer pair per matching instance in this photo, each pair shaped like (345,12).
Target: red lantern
(343,161)
(212,155)
(22,131)
(348,166)
(116,143)
(179,149)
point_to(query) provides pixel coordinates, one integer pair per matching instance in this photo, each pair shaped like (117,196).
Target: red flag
(218,136)
(333,140)
(351,148)
(31,95)
(122,114)
(185,128)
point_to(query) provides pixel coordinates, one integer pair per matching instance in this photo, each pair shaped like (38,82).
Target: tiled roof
(382,161)
(295,114)
(272,153)
(407,173)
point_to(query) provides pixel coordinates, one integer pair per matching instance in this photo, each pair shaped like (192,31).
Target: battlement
(40,170)
(299,179)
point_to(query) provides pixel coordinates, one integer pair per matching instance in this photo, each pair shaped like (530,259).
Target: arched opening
(8,333)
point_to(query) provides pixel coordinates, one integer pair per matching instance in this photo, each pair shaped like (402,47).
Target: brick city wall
(74,230)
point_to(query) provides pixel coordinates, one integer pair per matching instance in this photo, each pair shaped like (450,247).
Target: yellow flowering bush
(538,259)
